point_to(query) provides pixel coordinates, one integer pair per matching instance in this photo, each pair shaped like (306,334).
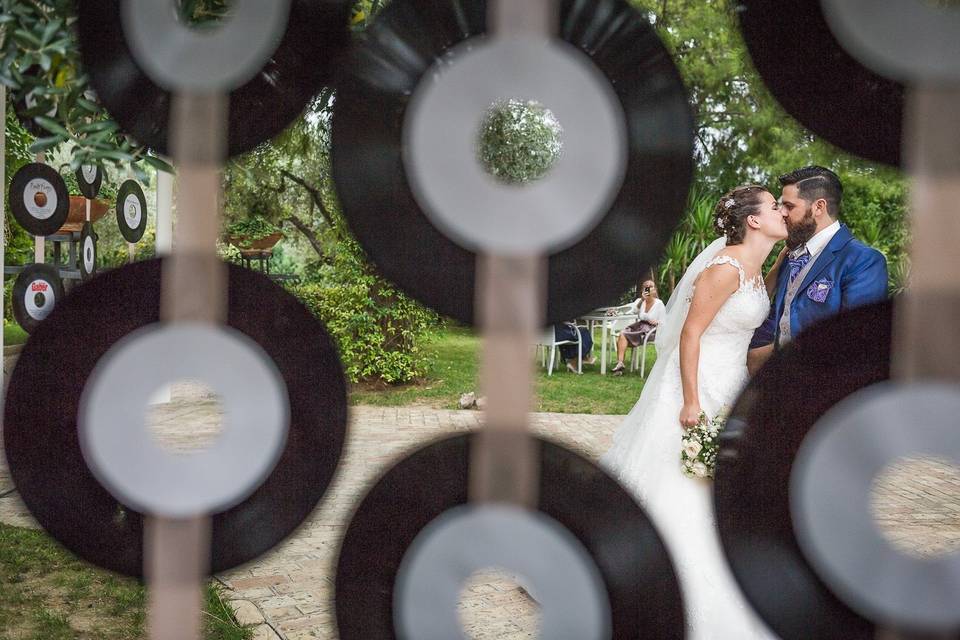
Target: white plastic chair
(549,341)
(650,338)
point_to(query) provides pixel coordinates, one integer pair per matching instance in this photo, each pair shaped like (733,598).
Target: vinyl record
(131,211)
(642,589)
(89,178)
(301,66)
(773,415)
(88,251)
(36,292)
(386,67)
(41,438)
(39,199)
(817,82)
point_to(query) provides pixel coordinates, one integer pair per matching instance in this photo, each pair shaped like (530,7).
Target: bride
(701,366)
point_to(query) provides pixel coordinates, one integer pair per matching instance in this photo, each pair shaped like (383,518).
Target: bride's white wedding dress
(645,455)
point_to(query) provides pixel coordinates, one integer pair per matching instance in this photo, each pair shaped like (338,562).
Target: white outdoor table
(599,317)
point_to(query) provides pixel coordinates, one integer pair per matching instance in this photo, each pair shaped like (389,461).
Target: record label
(137,470)
(89,254)
(131,211)
(89,178)
(40,198)
(88,251)
(39,299)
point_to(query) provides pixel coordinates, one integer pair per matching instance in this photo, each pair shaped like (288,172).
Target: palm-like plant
(899,274)
(696,231)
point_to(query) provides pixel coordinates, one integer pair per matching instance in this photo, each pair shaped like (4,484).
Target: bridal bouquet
(698,452)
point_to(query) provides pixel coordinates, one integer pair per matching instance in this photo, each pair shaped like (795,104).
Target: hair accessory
(730,204)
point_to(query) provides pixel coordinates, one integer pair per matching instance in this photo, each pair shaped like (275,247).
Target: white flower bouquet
(698,447)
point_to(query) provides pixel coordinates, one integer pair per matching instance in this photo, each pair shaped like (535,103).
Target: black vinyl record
(37,291)
(302,65)
(131,211)
(89,185)
(643,591)
(88,251)
(817,82)
(387,64)
(43,449)
(39,199)
(773,415)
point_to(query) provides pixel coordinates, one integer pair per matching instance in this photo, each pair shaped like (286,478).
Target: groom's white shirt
(819,240)
(815,246)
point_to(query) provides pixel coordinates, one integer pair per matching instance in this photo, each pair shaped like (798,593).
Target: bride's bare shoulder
(721,275)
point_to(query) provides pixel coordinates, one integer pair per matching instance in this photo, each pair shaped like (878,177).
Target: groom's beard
(798,233)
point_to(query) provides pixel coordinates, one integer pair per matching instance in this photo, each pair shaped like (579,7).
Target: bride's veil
(668,333)
(667,339)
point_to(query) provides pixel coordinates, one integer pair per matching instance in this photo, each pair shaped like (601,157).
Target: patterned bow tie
(798,263)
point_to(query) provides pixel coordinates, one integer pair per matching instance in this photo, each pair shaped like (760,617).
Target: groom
(822,271)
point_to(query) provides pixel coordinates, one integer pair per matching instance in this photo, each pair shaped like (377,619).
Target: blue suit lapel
(829,253)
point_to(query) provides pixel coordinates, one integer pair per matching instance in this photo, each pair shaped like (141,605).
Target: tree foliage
(744,136)
(40,66)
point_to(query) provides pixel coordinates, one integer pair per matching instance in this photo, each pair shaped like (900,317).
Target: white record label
(89,254)
(40,199)
(89,173)
(131,211)
(39,299)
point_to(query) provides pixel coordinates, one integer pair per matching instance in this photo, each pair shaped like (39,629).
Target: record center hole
(495,593)
(186,417)
(203,14)
(40,199)
(915,503)
(518,142)
(39,300)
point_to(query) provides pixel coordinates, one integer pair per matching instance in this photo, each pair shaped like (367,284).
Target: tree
(40,66)
(744,136)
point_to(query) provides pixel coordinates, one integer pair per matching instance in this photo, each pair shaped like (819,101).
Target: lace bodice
(724,344)
(743,311)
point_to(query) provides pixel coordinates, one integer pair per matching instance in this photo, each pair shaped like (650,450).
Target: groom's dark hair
(814,183)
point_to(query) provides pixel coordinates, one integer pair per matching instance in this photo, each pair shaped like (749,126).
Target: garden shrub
(378,330)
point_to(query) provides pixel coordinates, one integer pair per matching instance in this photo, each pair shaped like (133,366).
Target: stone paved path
(289,592)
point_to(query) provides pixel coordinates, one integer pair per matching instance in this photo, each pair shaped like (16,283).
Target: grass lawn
(48,594)
(454,370)
(13,334)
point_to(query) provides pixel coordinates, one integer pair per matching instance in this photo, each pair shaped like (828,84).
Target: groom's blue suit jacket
(846,274)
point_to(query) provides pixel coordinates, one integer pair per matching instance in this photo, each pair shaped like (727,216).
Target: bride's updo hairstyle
(730,214)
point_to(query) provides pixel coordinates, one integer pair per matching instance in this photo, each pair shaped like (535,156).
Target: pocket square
(819,290)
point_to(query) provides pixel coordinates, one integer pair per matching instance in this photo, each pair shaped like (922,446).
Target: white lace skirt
(645,458)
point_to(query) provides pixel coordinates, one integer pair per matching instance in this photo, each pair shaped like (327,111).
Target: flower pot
(78,213)
(260,245)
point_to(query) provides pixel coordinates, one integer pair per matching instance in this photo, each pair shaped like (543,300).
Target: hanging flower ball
(519,141)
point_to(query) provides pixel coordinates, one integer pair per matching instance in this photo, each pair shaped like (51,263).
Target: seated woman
(650,312)
(568,331)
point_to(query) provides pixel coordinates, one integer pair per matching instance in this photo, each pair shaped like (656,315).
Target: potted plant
(253,234)
(78,204)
